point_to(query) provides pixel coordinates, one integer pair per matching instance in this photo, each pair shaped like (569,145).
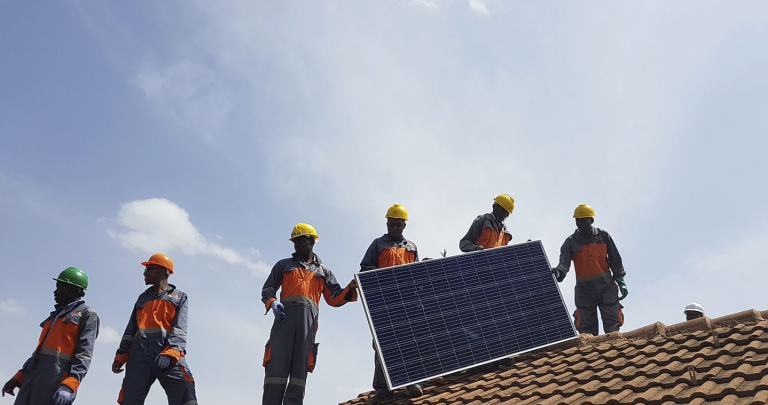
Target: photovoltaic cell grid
(444,315)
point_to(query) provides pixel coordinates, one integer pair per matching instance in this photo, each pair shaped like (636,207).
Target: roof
(702,361)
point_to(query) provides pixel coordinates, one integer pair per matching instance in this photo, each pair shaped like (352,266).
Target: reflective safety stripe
(84,356)
(54,352)
(179,332)
(127,337)
(298,381)
(275,380)
(300,298)
(193,402)
(153,330)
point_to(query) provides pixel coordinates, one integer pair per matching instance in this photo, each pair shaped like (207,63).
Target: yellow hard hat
(507,202)
(584,211)
(397,211)
(303,230)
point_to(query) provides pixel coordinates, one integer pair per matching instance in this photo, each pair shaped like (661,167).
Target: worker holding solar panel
(488,231)
(291,351)
(389,250)
(599,274)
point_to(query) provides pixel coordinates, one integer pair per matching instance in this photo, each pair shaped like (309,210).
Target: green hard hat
(74,276)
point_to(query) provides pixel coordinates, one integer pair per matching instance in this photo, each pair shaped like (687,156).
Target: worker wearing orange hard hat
(391,249)
(599,274)
(488,231)
(53,373)
(154,344)
(291,351)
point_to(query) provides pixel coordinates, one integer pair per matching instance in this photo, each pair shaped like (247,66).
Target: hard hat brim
(156,264)
(70,283)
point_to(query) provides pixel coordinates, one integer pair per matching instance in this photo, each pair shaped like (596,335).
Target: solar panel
(444,315)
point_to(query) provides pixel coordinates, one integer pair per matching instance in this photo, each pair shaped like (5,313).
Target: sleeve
(565,256)
(334,295)
(467,243)
(86,341)
(126,343)
(19,376)
(177,339)
(614,258)
(371,259)
(275,278)
(415,253)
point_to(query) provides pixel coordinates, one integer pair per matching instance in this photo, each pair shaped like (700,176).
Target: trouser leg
(139,377)
(178,384)
(586,309)
(278,367)
(303,344)
(379,380)
(610,309)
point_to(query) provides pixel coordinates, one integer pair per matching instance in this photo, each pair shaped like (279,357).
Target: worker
(154,343)
(488,231)
(693,311)
(291,351)
(392,249)
(54,372)
(594,256)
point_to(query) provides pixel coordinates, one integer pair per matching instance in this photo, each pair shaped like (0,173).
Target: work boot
(415,391)
(382,396)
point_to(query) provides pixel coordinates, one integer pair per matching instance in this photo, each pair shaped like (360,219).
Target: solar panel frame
(390,269)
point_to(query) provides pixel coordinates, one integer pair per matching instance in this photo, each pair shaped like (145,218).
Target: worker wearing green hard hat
(63,354)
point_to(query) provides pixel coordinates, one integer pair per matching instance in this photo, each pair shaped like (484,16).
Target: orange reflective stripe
(267,354)
(172,353)
(71,382)
(62,337)
(156,314)
(120,396)
(269,304)
(122,358)
(395,256)
(591,260)
(19,377)
(186,376)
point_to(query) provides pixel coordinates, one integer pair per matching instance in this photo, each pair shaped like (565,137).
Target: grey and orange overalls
(63,354)
(158,325)
(594,259)
(385,252)
(291,351)
(486,232)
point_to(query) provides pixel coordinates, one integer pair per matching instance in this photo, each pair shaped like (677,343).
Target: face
(65,293)
(395,228)
(303,245)
(153,274)
(689,315)
(584,224)
(500,212)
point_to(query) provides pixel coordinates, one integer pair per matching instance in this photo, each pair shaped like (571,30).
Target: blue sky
(206,130)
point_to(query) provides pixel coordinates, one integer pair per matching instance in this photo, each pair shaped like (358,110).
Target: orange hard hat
(160,260)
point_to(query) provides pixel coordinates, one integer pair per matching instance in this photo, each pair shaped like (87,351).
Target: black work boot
(382,396)
(415,391)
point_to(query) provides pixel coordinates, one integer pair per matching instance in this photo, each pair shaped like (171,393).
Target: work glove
(622,287)
(63,396)
(559,274)
(163,362)
(278,309)
(9,386)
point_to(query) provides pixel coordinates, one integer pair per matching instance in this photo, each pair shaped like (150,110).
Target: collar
(316,260)
(578,236)
(387,238)
(65,308)
(171,289)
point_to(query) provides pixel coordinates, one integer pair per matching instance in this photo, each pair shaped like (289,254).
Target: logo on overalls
(77,313)
(174,295)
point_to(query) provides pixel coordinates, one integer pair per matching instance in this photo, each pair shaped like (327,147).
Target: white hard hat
(695,307)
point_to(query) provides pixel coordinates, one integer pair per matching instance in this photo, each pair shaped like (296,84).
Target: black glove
(559,275)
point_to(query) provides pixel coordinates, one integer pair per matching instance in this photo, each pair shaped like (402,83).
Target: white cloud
(158,225)
(108,335)
(12,307)
(478,6)
(187,92)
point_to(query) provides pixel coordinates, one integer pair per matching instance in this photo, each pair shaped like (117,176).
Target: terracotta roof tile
(704,361)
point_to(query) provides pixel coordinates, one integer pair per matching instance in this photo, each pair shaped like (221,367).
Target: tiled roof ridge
(724,355)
